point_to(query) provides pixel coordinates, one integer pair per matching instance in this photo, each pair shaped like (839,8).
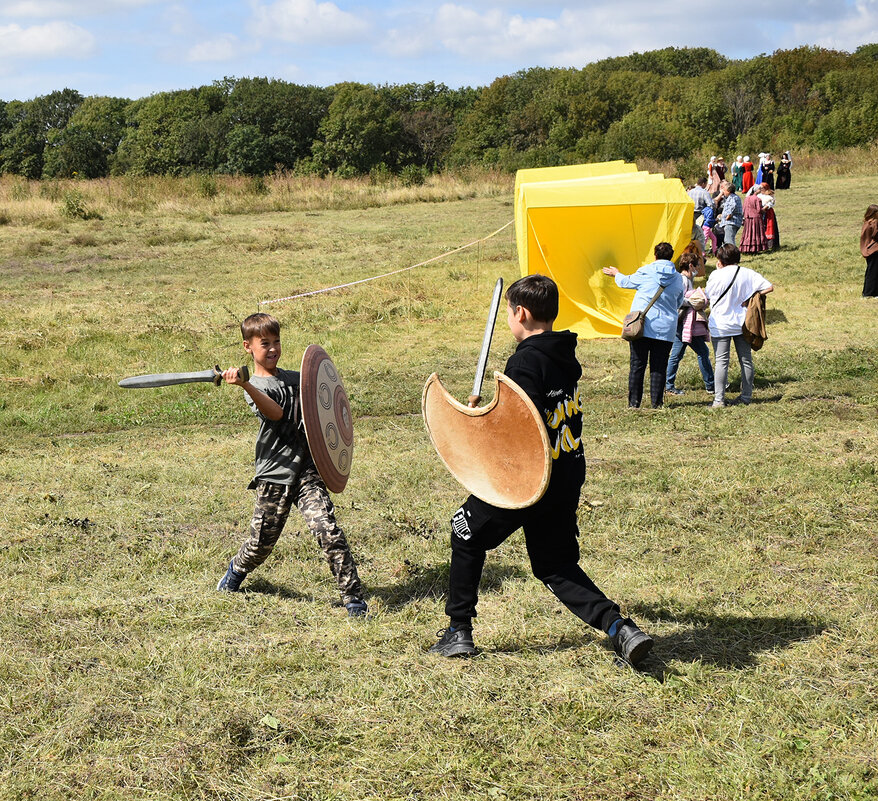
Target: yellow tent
(572,221)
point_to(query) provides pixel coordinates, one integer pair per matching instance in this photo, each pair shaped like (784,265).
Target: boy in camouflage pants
(285,473)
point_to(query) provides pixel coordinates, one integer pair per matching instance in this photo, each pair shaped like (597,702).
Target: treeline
(671,104)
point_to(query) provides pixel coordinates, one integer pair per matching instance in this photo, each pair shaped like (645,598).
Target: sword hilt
(243,374)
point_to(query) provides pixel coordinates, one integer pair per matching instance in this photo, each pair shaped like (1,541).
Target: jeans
(729,233)
(722,349)
(699,345)
(656,352)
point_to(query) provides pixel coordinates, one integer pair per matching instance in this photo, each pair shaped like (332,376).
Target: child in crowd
(708,221)
(728,292)
(544,365)
(692,328)
(285,473)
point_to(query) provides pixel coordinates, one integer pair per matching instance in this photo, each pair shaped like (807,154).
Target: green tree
(271,123)
(87,145)
(28,127)
(169,133)
(361,130)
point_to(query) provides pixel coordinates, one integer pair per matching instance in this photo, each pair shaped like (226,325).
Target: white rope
(385,275)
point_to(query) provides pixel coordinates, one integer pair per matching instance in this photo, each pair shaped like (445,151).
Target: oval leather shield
(499,452)
(326,412)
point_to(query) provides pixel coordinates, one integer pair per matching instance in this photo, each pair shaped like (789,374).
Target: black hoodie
(545,367)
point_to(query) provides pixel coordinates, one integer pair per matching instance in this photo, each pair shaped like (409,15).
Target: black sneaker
(454,642)
(630,643)
(674,391)
(357,607)
(231,581)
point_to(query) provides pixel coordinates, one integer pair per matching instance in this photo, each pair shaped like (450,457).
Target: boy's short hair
(259,325)
(688,260)
(664,250)
(536,293)
(729,254)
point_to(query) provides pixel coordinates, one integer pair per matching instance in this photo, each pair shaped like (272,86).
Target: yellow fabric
(572,221)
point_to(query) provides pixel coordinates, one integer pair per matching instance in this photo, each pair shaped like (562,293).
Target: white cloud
(223,48)
(43,9)
(307,22)
(858,26)
(52,40)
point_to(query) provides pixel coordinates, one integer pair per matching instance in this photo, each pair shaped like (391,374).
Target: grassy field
(745,541)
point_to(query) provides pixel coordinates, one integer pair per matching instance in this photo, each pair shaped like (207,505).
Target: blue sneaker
(231,581)
(357,607)
(674,391)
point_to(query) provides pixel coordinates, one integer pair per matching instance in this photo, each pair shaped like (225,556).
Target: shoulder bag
(633,323)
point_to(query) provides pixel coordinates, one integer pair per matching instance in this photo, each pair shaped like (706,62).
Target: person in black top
(544,365)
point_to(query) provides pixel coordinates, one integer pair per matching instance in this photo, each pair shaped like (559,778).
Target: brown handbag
(634,322)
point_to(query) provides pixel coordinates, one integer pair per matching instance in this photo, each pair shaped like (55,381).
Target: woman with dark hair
(783,171)
(768,171)
(869,249)
(660,323)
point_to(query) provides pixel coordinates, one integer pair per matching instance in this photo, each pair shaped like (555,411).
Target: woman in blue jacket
(660,325)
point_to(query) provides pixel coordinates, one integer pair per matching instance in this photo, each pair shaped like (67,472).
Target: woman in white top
(728,290)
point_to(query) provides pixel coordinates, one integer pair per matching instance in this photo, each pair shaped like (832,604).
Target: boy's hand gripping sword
(212,376)
(476,396)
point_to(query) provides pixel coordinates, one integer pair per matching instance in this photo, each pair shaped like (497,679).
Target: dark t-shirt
(281,449)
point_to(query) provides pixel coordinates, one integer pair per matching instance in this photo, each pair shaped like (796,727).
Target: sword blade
(168,379)
(486,339)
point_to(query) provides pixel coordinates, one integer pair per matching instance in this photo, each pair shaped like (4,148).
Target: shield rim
(312,359)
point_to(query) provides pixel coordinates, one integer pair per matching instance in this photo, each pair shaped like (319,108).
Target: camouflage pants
(273,505)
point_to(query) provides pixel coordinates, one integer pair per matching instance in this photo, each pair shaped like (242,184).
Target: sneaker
(231,581)
(674,391)
(630,643)
(709,389)
(718,405)
(357,607)
(740,402)
(454,642)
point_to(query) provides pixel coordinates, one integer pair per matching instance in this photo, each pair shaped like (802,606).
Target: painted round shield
(326,412)
(499,452)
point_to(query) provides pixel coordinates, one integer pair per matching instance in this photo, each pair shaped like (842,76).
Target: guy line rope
(385,275)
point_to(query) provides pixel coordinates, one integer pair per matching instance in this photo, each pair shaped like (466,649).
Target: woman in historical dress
(769,218)
(768,171)
(713,178)
(753,236)
(783,171)
(738,173)
(747,176)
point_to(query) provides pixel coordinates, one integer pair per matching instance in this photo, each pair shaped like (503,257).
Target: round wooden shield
(499,452)
(326,412)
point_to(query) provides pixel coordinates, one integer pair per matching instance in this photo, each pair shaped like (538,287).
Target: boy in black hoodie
(544,365)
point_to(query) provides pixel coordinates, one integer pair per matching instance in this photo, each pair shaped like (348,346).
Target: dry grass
(745,541)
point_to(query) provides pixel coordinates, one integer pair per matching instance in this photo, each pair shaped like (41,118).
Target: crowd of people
(720,211)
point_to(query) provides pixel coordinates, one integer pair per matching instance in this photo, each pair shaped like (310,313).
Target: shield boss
(326,412)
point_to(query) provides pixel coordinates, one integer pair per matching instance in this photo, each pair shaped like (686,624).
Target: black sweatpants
(551,536)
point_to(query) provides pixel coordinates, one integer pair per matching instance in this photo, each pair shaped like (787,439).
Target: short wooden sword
(476,395)
(212,376)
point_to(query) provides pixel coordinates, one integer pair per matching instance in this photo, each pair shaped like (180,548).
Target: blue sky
(132,48)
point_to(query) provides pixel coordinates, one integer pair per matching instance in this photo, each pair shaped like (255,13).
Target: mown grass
(745,541)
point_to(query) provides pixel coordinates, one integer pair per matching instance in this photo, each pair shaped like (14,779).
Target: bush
(380,174)
(206,186)
(73,207)
(259,187)
(413,175)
